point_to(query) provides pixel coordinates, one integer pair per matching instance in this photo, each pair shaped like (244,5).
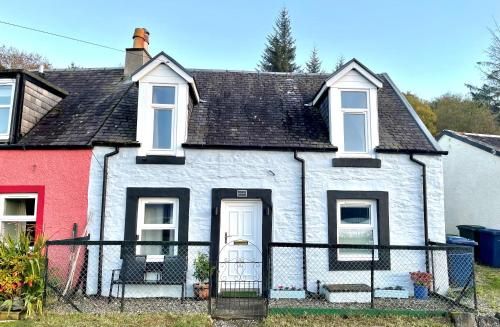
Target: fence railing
(132,276)
(335,276)
(143,276)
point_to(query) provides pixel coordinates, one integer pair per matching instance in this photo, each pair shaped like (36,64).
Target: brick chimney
(138,55)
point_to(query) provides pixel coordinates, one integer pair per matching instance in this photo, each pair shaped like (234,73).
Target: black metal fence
(138,276)
(308,277)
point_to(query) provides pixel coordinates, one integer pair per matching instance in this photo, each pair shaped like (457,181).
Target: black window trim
(384,256)
(132,207)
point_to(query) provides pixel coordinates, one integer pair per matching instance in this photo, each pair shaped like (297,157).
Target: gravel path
(101,305)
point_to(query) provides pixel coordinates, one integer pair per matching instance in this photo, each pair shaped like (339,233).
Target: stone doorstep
(350,288)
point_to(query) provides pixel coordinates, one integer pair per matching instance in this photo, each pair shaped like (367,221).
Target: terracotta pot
(201,291)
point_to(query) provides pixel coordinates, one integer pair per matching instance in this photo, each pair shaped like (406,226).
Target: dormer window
(165,92)
(6,101)
(354,106)
(350,97)
(163,104)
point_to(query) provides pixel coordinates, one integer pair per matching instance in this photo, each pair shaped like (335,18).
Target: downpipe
(103,215)
(303,214)
(424,196)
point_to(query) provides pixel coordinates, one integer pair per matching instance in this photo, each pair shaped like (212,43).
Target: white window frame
(5,136)
(358,111)
(142,226)
(16,219)
(173,108)
(373,226)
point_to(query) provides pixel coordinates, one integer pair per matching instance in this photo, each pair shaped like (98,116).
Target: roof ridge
(217,70)
(81,69)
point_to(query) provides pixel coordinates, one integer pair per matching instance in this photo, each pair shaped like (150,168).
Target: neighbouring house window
(163,104)
(358,217)
(6,104)
(357,224)
(354,106)
(157,220)
(18,214)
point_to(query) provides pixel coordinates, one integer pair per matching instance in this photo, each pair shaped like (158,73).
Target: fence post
(45,275)
(372,271)
(474,278)
(433,272)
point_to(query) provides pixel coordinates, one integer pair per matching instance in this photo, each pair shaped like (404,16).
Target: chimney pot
(137,55)
(141,38)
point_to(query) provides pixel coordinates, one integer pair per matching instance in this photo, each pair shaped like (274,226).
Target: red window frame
(40,191)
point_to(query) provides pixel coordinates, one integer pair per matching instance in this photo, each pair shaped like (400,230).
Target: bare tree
(12,58)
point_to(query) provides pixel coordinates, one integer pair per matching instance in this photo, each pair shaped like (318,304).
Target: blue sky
(427,46)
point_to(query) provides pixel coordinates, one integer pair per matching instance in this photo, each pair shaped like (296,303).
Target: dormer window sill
(357,162)
(160,160)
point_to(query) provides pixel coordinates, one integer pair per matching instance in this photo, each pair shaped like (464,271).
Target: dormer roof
(163,59)
(352,64)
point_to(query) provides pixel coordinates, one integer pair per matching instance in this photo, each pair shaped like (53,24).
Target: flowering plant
(22,267)
(421,278)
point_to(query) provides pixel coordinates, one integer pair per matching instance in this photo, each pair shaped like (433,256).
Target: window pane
(353,99)
(5,93)
(159,213)
(19,207)
(4,120)
(164,94)
(162,137)
(157,235)
(355,236)
(354,132)
(355,215)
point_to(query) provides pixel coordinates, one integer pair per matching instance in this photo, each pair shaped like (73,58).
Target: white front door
(240,257)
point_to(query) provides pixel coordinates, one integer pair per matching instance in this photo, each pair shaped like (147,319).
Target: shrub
(202,268)
(22,274)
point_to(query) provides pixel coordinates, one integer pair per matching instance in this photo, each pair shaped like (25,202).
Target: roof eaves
(475,143)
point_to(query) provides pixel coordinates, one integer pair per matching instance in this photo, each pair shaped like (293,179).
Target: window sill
(356,162)
(160,160)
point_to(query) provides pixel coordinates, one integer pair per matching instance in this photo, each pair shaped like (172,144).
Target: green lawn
(146,320)
(488,287)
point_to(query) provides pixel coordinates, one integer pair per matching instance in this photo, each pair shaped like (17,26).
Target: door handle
(225,238)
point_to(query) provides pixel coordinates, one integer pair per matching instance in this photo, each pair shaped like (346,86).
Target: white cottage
(283,157)
(221,156)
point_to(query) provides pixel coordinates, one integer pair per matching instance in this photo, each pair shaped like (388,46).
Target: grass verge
(488,286)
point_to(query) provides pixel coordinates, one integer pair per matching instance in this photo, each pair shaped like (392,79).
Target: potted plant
(421,283)
(202,274)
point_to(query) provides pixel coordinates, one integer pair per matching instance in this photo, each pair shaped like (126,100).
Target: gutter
(103,215)
(303,214)
(424,196)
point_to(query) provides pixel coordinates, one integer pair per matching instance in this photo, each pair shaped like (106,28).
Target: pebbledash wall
(278,171)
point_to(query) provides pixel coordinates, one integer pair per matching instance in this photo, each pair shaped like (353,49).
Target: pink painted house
(44,175)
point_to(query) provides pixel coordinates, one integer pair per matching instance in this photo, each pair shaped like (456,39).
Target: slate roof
(240,109)
(487,142)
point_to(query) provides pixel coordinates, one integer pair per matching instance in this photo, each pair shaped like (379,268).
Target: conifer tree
(279,54)
(314,63)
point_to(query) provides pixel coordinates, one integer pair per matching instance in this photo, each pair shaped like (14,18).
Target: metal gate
(238,285)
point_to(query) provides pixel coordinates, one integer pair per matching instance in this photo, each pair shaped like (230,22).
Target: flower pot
(421,292)
(287,294)
(201,291)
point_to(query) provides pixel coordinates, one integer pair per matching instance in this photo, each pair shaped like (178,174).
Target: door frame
(219,194)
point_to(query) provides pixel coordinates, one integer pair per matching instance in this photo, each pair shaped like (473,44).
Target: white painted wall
(278,171)
(472,185)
